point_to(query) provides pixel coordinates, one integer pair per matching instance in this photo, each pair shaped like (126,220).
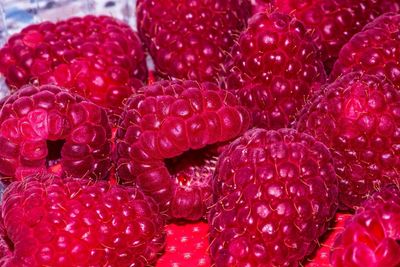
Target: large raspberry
(50,221)
(190,39)
(358,118)
(277,192)
(168,140)
(98,57)
(372,237)
(44,126)
(375,50)
(273,69)
(331,22)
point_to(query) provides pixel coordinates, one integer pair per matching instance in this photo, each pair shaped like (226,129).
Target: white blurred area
(17,14)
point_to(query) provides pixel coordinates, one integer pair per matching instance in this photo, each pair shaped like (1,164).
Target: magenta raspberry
(168,140)
(44,127)
(99,58)
(276,192)
(274,69)
(372,236)
(375,50)
(49,221)
(358,118)
(190,39)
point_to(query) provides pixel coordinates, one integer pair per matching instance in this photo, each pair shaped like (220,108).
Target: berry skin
(331,22)
(190,39)
(43,127)
(50,221)
(168,140)
(99,58)
(277,191)
(371,238)
(375,50)
(358,118)
(273,69)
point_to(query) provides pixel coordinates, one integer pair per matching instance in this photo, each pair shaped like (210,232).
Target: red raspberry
(274,68)
(98,57)
(371,238)
(277,192)
(190,39)
(168,140)
(375,50)
(43,126)
(50,221)
(358,118)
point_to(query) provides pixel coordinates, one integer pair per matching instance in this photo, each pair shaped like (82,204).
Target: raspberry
(375,50)
(358,118)
(371,237)
(277,191)
(331,22)
(168,140)
(190,39)
(50,221)
(97,57)
(45,127)
(273,69)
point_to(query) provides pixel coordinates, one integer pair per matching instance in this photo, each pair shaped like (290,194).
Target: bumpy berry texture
(273,69)
(50,221)
(277,191)
(190,39)
(98,57)
(168,140)
(331,22)
(43,127)
(358,118)
(372,236)
(187,245)
(375,50)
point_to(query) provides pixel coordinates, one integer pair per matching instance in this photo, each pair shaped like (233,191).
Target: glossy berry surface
(50,221)
(372,237)
(99,58)
(374,50)
(276,192)
(331,22)
(190,39)
(358,118)
(168,139)
(274,69)
(41,127)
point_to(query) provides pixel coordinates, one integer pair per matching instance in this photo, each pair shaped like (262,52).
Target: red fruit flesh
(276,192)
(99,58)
(358,118)
(186,246)
(274,69)
(372,237)
(161,133)
(190,39)
(374,50)
(331,22)
(50,221)
(45,127)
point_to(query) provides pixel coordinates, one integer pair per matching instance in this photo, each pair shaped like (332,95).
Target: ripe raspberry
(190,39)
(50,221)
(372,236)
(97,57)
(274,68)
(277,192)
(168,141)
(358,118)
(331,22)
(375,50)
(43,126)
